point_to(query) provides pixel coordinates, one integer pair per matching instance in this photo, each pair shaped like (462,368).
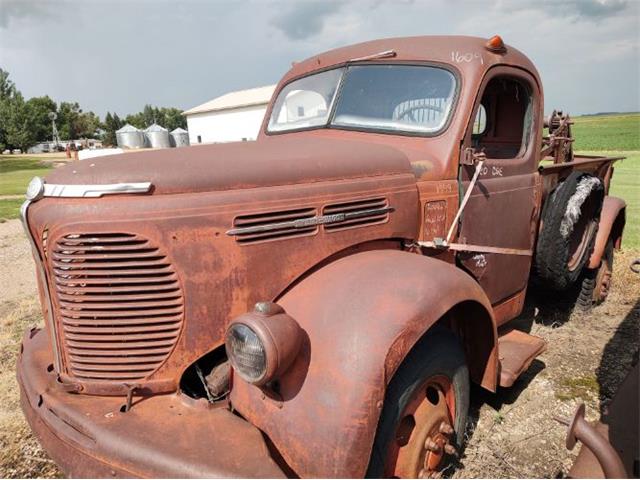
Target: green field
(15,174)
(626,184)
(607,132)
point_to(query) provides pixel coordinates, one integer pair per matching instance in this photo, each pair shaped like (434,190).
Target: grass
(20,454)
(626,184)
(582,387)
(10,208)
(15,174)
(607,132)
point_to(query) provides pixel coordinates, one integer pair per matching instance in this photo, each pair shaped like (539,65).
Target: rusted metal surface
(191,229)
(612,221)
(325,222)
(425,433)
(517,350)
(580,429)
(341,373)
(162,436)
(611,446)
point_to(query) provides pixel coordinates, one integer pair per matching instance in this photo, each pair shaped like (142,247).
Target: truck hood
(283,160)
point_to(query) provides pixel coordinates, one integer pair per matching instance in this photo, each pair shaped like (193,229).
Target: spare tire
(569,224)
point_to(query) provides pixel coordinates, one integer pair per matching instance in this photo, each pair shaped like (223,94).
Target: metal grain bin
(157,136)
(180,137)
(130,137)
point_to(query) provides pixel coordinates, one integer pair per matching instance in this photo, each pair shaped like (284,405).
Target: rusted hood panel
(286,160)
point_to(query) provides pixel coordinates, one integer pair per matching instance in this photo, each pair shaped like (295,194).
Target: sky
(120,55)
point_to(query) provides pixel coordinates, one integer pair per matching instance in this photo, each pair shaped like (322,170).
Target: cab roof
(468,54)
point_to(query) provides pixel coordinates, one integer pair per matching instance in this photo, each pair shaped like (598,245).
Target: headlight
(263,344)
(246,352)
(35,189)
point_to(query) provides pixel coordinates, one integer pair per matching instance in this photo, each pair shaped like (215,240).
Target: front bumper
(161,436)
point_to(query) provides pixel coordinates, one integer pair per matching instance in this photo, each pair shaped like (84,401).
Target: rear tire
(596,283)
(437,360)
(569,226)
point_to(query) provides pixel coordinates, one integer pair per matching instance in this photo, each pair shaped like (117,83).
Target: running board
(517,350)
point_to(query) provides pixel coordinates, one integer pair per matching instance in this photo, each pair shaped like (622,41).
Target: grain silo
(157,136)
(130,137)
(180,137)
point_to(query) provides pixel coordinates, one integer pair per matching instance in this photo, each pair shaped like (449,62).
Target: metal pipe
(580,429)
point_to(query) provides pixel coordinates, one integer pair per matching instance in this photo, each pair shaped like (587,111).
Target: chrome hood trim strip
(94,191)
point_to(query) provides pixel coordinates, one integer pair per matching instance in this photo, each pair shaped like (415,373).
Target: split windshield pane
(306,102)
(388,98)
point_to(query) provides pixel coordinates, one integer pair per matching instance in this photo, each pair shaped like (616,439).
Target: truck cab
(315,303)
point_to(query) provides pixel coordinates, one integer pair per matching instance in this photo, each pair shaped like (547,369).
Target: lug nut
(431,445)
(445,428)
(450,450)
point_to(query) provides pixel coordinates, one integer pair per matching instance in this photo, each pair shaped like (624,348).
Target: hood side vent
(264,227)
(362,212)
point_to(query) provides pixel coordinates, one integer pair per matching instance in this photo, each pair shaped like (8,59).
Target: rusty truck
(315,303)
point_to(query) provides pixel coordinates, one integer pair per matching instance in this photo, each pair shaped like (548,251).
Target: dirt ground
(509,434)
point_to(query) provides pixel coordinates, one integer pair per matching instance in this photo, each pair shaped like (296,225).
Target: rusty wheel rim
(582,234)
(578,248)
(603,281)
(425,433)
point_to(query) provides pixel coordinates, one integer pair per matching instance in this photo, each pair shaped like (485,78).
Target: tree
(169,118)
(111,125)
(38,110)
(173,118)
(7,87)
(14,123)
(137,120)
(73,123)
(14,118)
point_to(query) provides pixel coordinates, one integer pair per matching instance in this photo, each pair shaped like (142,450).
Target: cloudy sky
(120,55)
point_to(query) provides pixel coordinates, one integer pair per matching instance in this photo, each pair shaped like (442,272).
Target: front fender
(361,315)
(612,220)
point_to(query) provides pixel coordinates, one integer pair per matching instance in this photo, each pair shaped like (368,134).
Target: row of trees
(23,123)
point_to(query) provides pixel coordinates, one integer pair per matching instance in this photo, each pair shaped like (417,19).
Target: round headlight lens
(246,353)
(35,189)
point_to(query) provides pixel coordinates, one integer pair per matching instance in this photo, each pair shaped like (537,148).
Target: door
(503,208)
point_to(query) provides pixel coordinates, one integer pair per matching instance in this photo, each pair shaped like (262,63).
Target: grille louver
(120,306)
(376,216)
(256,221)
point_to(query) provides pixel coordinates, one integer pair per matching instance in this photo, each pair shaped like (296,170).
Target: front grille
(120,306)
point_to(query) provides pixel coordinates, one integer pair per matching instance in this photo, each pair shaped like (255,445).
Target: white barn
(233,117)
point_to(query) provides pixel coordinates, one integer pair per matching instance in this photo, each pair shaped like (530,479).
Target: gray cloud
(593,10)
(305,19)
(118,55)
(11,10)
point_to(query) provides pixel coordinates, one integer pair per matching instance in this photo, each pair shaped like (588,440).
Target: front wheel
(425,411)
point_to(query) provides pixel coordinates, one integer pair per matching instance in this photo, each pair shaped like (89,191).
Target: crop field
(607,132)
(511,433)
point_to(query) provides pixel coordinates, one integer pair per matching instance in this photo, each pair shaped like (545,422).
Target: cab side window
(502,127)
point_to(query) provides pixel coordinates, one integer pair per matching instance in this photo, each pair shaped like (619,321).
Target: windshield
(391,98)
